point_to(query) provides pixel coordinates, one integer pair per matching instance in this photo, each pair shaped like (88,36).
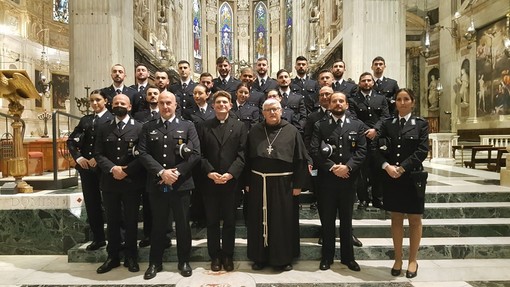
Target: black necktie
(95,121)
(402,123)
(140,89)
(339,122)
(224,82)
(153,114)
(378,82)
(285,95)
(120,125)
(303,81)
(184,85)
(167,124)
(262,82)
(336,85)
(202,110)
(118,91)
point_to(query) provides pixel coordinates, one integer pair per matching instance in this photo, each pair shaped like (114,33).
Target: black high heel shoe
(410,274)
(396,272)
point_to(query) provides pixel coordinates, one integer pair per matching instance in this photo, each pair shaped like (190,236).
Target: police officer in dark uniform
(120,183)
(118,75)
(371,108)
(81,146)
(384,85)
(183,89)
(168,149)
(243,110)
(338,148)
(302,84)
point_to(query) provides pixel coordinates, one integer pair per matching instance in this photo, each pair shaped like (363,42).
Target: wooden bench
(500,161)
(462,147)
(489,160)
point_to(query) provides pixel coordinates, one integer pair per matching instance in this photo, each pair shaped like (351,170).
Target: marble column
(442,147)
(275,55)
(211,48)
(101,34)
(243,34)
(374,28)
(449,69)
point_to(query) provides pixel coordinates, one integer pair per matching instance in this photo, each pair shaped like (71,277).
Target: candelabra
(45,116)
(83,104)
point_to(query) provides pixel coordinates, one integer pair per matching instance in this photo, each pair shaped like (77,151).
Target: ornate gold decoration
(16,85)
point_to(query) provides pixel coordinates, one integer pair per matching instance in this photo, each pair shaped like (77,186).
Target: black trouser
(162,203)
(333,201)
(147,215)
(122,209)
(220,204)
(93,202)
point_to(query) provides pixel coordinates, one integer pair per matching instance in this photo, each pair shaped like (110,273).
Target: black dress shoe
(152,271)
(144,242)
(352,265)
(410,274)
(95,245)
(215,264)
(396,272)
(131,264)
(356,242)
(185,269)
(108,265)
(287,267)
(228,264)
(319,241)
(325,264)
(258,266)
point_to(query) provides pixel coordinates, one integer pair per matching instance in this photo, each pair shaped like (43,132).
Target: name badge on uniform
(413,122)
(180,132)
(179,141)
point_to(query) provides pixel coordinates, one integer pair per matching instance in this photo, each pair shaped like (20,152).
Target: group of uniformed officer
(119,157)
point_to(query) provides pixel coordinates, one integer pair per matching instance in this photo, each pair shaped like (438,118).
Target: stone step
(432,210)
(373,228)
(373,249)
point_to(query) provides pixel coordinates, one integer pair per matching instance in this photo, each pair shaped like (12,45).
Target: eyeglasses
(271,110)
(325,95)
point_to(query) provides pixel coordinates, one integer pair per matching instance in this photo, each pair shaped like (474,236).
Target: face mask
(120,111)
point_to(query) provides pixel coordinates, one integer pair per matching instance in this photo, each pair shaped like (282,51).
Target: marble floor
(51,270)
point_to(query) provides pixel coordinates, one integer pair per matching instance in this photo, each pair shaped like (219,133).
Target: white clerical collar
(223,121)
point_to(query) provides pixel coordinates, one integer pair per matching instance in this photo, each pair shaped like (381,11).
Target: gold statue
(16,85)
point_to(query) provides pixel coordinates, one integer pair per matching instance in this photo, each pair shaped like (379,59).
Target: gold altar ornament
(16,85)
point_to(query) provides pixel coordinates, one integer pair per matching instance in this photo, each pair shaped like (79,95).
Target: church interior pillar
(101,36)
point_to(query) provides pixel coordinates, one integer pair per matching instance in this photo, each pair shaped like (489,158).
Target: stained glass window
(197,34)
(225,31)
(260,30)
(288,35)
(61,11)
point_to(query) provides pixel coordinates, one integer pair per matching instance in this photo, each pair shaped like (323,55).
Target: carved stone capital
(274,13)
(243,4)
(211,14)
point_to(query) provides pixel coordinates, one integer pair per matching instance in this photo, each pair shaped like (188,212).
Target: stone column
(374,28)
(275,61)
(243,33)
(101,34)
(442,147)
(211,47)
(449,69)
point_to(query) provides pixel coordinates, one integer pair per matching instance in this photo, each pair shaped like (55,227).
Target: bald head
(167,104)
(121,105)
